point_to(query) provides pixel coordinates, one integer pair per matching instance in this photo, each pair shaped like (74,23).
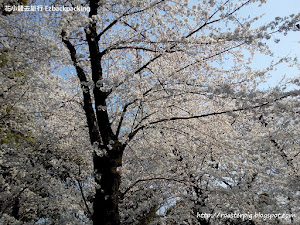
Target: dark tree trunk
(16,209)
(106,200)
(107,178)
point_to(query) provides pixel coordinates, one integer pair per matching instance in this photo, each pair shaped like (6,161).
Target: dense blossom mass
(145,112)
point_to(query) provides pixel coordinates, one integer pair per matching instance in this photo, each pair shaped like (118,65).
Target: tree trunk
(106,201)
(16,209)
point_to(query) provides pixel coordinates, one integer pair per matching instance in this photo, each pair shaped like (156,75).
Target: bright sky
(289,45)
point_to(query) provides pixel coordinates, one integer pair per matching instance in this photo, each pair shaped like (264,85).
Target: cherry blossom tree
(170,102)
(40,163)
(230,166)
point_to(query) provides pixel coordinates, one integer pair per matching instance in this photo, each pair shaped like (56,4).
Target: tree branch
(122,117)
(87,100)
(217,20)
(289,161)
(106,29)
(141,48)
(211,56)
(191,33)
(83,198)
(123,15)
(122,195)
(125,110)
(134,132)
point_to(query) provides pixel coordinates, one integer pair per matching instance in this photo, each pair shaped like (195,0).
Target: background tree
(39,164)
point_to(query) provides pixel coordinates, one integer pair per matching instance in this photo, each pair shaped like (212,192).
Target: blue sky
(289,45)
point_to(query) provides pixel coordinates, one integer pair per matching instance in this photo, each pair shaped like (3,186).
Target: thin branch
(106,29)
(122,117)
(123,15)
(217,20)
(127,24)
(141,48)
(83,197)
(148,179)
(125,110)
(193,32)
(209,57)
(134,132)
(145,65)
(149,7)
(289,161)
(206,23)
(82,194)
